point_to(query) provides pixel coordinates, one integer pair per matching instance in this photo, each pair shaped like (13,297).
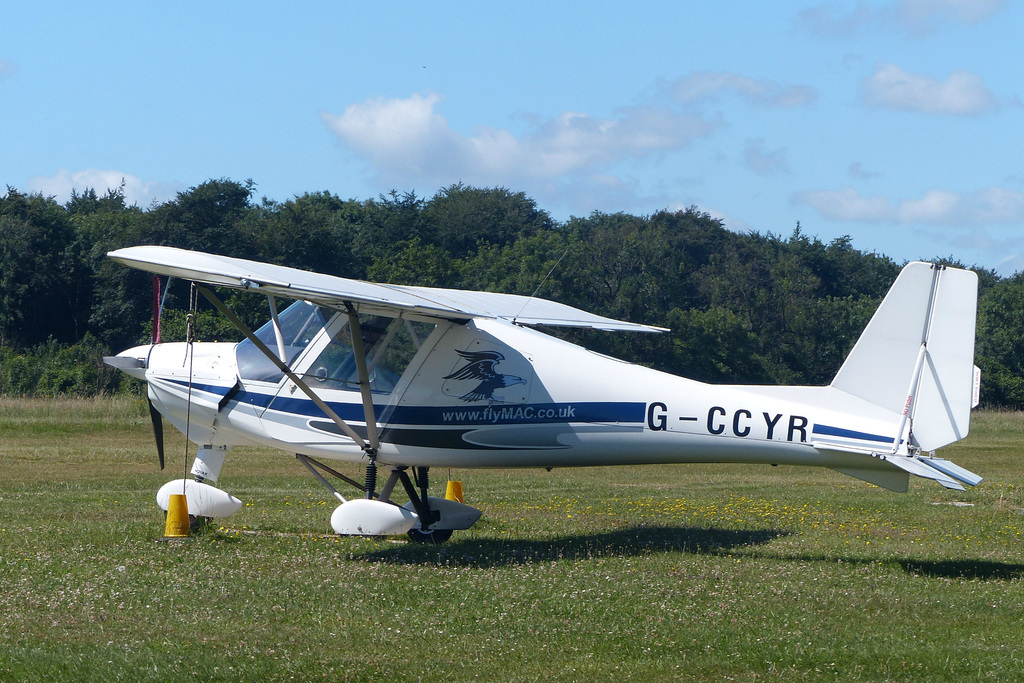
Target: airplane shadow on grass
(985,570)
(630,542)
(964,569)
(647,540)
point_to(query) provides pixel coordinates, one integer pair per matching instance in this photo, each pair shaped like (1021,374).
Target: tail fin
(916,356)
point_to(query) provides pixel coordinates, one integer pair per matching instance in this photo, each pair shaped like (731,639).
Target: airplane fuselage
(533,401)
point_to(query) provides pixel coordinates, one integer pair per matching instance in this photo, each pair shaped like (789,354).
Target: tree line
(742,308)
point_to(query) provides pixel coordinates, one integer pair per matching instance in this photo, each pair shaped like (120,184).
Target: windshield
(389,344)
(300,322)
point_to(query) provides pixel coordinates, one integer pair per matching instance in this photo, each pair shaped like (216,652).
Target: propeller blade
(158,431)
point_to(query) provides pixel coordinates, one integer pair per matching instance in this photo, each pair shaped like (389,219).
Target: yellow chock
(454,491)
(177,517)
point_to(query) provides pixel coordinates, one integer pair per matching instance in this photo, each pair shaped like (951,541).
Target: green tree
(1000,344)
(459,218)
(392,219)
(616,265)
(102,224)
(530,265)
(715,345)
(204,218)
(312,232)
(43,286)
(415,263)
(743,307)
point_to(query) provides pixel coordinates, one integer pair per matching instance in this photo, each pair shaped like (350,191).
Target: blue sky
(899,122)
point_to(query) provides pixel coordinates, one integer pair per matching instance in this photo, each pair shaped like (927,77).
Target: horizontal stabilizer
(953,470)
(918,467)
(891,471)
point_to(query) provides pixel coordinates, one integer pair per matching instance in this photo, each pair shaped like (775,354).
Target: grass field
(686,572)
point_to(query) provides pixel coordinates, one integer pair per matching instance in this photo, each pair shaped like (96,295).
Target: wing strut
(244,329)
(364,380)
(281,353)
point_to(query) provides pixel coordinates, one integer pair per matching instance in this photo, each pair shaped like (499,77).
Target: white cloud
(858,171)
(823,20)
(701,86)
(961,93)
(846,205)
(914,17)
(763,162)
(395,134)
(922,17)
(136,191)
(408,141)
(999,249)
(991,206)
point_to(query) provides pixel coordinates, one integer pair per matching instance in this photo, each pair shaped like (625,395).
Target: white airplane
(409,378)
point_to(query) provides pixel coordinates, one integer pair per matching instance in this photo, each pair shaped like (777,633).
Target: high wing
(336,292)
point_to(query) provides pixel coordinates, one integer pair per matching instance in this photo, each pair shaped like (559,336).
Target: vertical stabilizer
(916,356)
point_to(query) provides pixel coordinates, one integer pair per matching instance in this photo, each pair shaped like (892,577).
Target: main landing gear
(431,532)
(425,518)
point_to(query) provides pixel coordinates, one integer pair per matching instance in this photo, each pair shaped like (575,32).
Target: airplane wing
(449,304)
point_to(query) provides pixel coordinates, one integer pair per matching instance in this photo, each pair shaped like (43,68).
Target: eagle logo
(480,366)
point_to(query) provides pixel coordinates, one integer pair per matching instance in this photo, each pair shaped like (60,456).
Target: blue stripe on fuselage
(505,413)
(826,430)
(603,412)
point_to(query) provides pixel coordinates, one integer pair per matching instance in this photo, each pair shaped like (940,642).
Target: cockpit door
(300,325)
(328,367)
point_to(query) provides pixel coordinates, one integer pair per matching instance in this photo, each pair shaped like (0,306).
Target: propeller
(158,430)
(154,414)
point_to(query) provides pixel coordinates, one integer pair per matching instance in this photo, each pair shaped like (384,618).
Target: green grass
(647,573)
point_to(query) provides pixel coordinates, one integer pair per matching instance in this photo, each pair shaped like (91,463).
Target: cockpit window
(300,322)
(389,344)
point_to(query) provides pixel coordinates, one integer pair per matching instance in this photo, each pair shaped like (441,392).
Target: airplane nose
(131,361)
